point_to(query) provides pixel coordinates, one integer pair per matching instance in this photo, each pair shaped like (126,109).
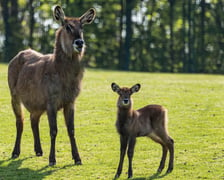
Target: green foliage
(195,104)
(189,41)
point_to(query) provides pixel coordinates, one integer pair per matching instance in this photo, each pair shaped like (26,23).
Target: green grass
(196,123)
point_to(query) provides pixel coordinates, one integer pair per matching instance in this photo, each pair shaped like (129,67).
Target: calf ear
(115,87)
(59,14)
(135,88)
(88,17)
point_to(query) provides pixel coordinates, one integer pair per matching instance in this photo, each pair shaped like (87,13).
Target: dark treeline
(140,35)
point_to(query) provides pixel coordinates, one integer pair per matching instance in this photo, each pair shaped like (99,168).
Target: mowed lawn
(196,123)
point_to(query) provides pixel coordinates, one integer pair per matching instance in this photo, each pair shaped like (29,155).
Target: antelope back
(71,34)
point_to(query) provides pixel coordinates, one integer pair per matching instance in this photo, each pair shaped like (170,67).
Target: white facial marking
(76,49)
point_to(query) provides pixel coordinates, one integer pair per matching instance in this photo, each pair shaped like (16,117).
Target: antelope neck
(124,114)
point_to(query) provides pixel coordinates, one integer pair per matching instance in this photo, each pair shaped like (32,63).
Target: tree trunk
(121,24)
(171,34)
(194,60)
(127,44)
(190,44)
(31,23)
(202,36)
(185,63)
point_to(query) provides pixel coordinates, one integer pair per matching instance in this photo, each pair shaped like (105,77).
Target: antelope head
(71,37)
(124,100)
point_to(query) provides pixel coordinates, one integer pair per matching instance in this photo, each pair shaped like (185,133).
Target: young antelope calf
(150,121)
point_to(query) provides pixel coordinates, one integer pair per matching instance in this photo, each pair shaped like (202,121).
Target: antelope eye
(69,28)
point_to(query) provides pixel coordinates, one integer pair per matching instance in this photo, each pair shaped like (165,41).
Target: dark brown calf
(150,121)
(50,82)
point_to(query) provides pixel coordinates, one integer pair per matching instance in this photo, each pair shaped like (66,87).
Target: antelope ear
(88,17)
(135,88)
(115,87)
(59,14)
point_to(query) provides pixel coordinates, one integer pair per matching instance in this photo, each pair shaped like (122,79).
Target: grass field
(196,123)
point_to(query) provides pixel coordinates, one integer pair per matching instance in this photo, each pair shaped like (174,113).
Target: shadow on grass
(154,176)
(11,169)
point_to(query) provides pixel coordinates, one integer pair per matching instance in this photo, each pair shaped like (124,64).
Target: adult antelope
(150,121)
(50,82)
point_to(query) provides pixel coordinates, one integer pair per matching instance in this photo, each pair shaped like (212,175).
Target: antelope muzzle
(78,45)
(125,102)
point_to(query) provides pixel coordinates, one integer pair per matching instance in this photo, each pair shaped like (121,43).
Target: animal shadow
(11,169)
(154,176)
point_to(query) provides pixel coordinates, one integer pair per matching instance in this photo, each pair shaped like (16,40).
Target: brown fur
(150,121)
(49,82)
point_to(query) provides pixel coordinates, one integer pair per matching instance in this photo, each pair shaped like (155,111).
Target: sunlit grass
(195,104)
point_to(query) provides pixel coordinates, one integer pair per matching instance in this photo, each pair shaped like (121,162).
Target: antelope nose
(79,42)
(126,101)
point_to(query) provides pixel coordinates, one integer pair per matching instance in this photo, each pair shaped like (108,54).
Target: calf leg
(69,119)
(19,125)
(34,118)
(167,143)
(131,146)
(170,145)
(163,159)
(52,113)
(123,147)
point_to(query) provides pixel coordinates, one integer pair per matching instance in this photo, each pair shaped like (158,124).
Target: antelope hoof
(159,170)
(116,176)
(130,176)
(39,153)
(78,162)
(14,156)
(169,170)
(52,163)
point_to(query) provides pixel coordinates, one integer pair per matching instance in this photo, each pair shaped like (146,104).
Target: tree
(172,2)
(121,29)
(12,29)
(147,35)
(184,12)
(129,5)
(190,39)
(31,22)
(219,20)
